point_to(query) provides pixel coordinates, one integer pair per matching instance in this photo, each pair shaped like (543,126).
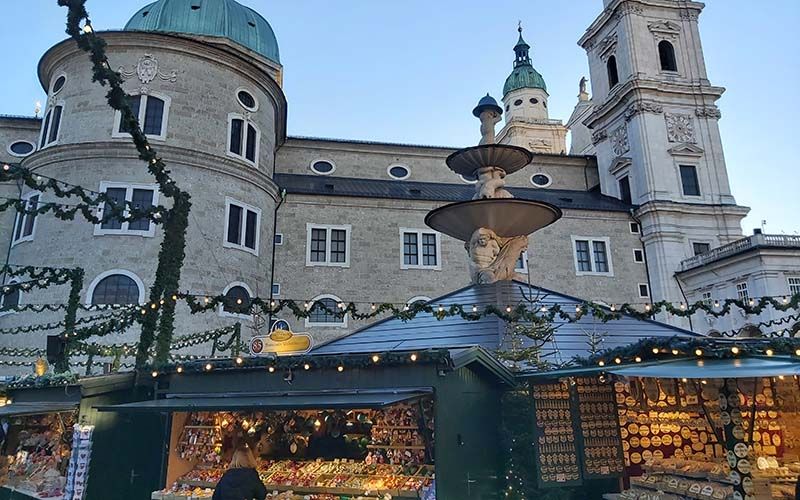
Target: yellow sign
(281,342)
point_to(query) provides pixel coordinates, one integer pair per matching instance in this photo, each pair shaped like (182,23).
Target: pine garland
(172,252)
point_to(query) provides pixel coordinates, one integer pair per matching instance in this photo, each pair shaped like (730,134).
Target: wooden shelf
(395,447)
(398,427)
(201,427)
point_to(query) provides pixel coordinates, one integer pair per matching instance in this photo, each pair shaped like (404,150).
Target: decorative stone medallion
(619,140)
(680,127)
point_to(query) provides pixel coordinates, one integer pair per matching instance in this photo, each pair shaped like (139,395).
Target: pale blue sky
(411,71)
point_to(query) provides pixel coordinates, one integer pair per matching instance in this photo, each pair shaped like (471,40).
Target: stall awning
(23,409)
(751,367)
(300,400)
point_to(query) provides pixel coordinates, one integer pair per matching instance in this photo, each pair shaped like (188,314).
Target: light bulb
(413,357)
(375,358)
(340,368)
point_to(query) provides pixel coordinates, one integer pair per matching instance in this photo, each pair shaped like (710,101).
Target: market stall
(323,427)
(672,429)
(52,437)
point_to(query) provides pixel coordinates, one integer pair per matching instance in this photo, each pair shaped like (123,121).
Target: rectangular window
(741,291)
(638,255)
(278,238)
(706,298)
(243,138)
(522,263)
(794,285)
(43,139)
(276,289)
(420,249)
(699,248)
(625,189)
(691,186)
(241,226)
(328,245)
(123,196)
(644,291)
(592,256)
(150,111)
(25,223)
(634,227)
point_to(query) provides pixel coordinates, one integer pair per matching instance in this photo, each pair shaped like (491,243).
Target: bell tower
(654,127)
(525,99)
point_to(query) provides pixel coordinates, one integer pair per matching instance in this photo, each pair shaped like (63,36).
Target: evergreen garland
(172,251)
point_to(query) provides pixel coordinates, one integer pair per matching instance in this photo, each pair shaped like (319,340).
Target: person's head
(243,459)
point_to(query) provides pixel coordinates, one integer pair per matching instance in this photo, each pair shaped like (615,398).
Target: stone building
(643,188)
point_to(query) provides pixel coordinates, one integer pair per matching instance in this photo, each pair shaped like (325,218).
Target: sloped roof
(425,331)
(436,191)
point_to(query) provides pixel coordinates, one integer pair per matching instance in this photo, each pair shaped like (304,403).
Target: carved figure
(489,119)
(491,184)
(582,85)
(493,258)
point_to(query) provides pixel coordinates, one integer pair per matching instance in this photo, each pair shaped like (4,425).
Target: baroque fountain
(493,225)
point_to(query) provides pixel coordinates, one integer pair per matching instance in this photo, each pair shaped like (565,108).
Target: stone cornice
(619,8)
(229,55)
(639,89)
(99,152)
(667,206)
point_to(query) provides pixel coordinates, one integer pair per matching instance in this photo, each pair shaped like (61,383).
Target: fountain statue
(494,225)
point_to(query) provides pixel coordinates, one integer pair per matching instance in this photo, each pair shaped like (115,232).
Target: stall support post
(737,451)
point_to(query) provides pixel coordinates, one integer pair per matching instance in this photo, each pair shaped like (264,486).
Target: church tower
(525,99)
(655,132)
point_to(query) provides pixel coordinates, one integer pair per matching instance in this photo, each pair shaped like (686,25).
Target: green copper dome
(222,18)
(524,76)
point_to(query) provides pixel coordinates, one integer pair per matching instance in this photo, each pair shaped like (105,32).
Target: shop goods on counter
(41,447)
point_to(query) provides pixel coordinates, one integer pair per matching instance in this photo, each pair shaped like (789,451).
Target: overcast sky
(411,71)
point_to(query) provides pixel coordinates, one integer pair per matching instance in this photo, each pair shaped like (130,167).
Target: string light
(208,367)
(413,357)
(770,352)
(675,352)
(375,358)
(735,350)
(617,360)
(655,350)
(613,308)
(340,368)
(441,308)
(179,369)
(647,307)
(638,359)
(154,374)
(271,369)
(698,352)
(508,309)
(601,363)
(239,360)
(306,366)
(474,308)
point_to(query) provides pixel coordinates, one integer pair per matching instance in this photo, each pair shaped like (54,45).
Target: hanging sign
(281,341)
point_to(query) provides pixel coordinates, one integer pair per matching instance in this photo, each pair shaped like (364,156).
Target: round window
(247,100)
(322,167)
(59,83)
(21,148)
(541,180)
(534,100)
(399,172)
(517,102)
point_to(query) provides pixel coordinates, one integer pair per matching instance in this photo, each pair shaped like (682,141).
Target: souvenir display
(557,451)
(39,448)
(309,453)
(602,448)
(78,470)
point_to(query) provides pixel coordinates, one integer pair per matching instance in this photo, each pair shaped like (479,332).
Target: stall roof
(23,409)
(426,332)
(299,400)
(750,367)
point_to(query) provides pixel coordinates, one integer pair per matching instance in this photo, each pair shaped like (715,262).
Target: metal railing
(754,241)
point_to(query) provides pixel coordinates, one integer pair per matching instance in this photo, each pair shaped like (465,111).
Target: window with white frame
(522,263)
(328,245)
(592,256)
(707,298)
(644,290)
(279,238)
(243,138)
(325,311)
(638,255)
(420,249)
(794,285)
(237,300)
(276,289)
(115,289)
(122,195)
(419,299)
(9,297)
(242,226)
(51,126)
(634,227)
(25,222)
(151,110)
(741,291)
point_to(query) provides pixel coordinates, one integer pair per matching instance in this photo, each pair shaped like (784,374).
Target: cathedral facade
(643,186)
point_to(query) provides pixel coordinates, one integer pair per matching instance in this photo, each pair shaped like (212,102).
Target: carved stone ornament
(607,46)
(491,184)
(147,70)
(619,140)
(540,144)
(493,258)
(642,107)
(599,137)
(708,112)
(664,27)
(690,15)
(680,127)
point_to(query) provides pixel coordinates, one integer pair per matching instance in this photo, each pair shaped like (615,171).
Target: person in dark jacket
(240,481)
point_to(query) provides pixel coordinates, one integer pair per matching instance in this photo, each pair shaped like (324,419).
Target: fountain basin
(510,158)
(507,217)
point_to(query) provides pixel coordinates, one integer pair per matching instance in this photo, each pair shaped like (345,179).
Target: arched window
(749,332)
(116,289)
(237,300)
(666,54)
(420,299)
(9,298)
(325,311)
(611,67)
